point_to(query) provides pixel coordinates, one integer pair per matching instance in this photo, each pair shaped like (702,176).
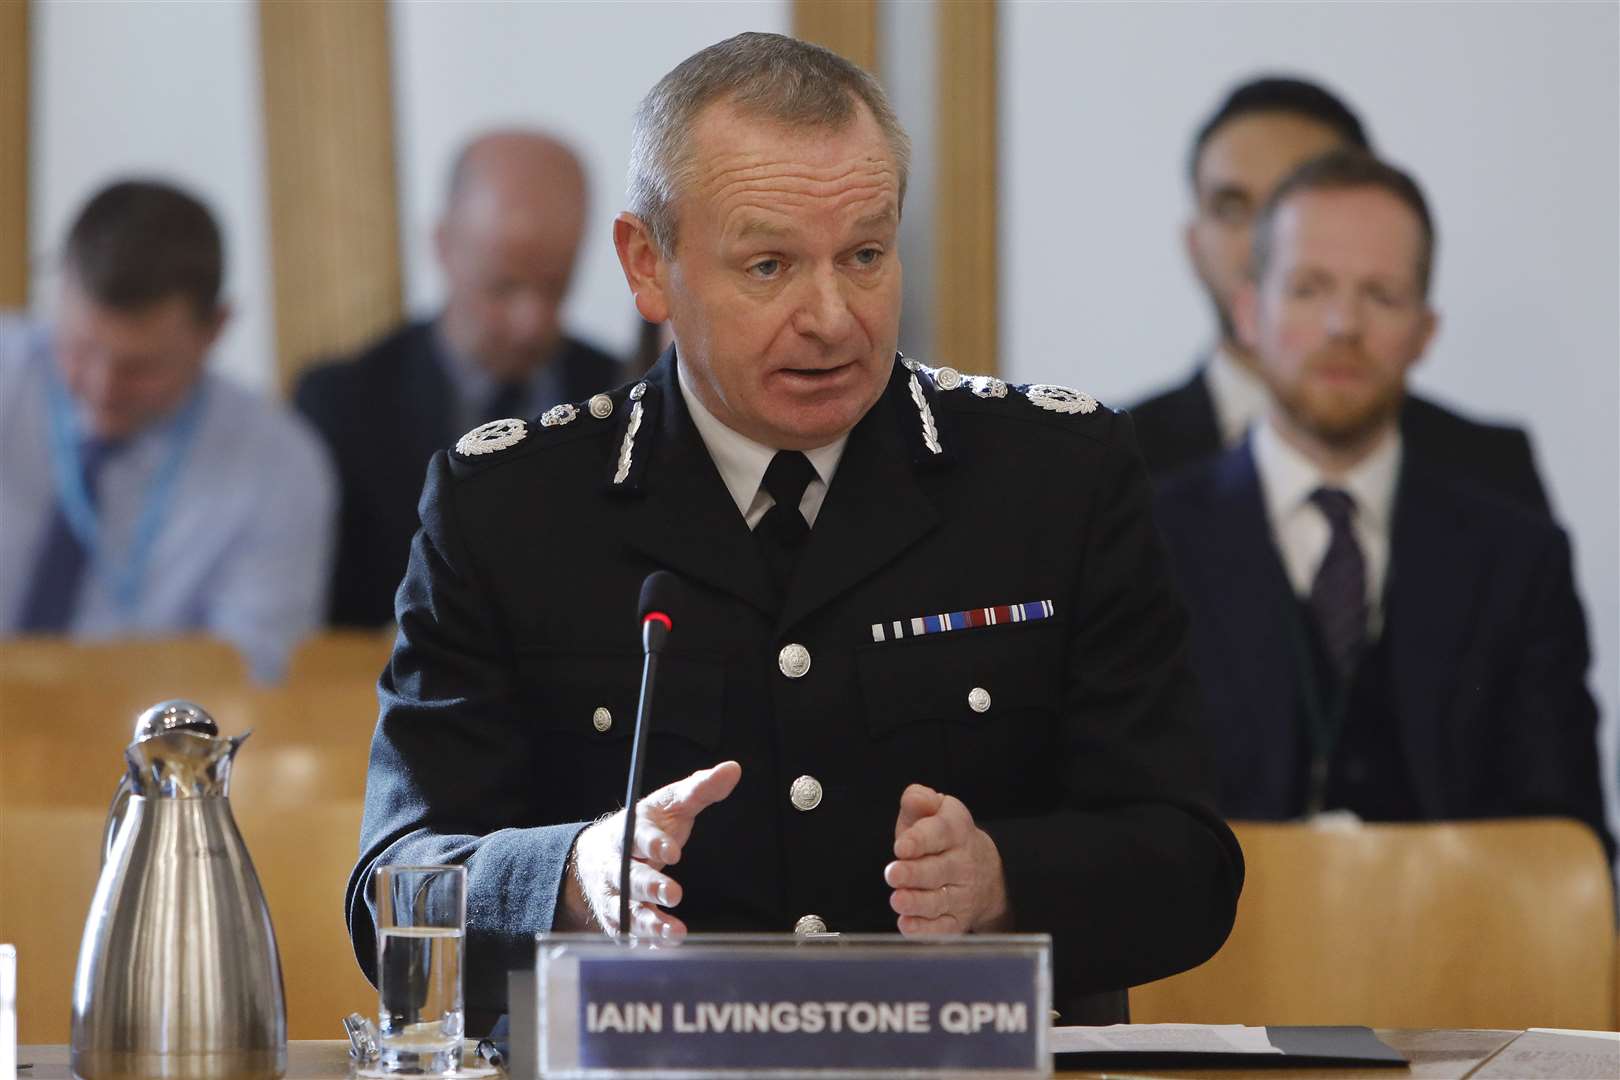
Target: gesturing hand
(946,876)
(663,824)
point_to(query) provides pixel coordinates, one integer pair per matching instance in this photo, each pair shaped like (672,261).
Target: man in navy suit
(1263,130)
(507,243)
(1371,633)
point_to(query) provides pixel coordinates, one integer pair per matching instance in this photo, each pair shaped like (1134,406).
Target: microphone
(661,593)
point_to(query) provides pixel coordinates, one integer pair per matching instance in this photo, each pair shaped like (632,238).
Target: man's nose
(823,311)
(1343,317)
(529,317)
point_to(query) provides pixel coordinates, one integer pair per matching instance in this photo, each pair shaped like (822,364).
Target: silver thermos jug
(178,975)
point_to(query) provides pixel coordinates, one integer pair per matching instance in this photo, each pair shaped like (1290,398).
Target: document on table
(1163,1039)
(1554,1052)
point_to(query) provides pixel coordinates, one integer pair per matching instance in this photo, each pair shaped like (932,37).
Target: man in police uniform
(907,583)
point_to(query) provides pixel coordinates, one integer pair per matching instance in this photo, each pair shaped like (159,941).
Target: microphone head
(663,593)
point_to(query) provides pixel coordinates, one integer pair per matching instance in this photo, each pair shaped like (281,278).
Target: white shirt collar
(742,461)
(1288,478)
(1239,397)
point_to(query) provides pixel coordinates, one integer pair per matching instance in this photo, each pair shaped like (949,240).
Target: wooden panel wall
(329,131)
(965,265)
(847,27)
(13,153)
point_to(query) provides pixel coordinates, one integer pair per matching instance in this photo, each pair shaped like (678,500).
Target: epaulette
(511,439)
(1047,397)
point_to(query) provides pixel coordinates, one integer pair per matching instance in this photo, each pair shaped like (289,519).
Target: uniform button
(601,406)
(805,793)
(979,699)
(947,378)
(601,719)
(794,660)
(810,924)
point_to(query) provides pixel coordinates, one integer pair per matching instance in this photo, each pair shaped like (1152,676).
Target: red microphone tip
(658,616)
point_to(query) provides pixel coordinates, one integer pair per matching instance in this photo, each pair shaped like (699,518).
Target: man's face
(508,262)
(784,288)
(127,369)
(1339,317)
(1239,167)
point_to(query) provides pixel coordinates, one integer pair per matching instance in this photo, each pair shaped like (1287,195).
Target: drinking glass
(421,931)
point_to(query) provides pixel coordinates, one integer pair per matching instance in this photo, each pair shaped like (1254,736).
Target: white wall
(169,90)
(1509,114)
(576,69)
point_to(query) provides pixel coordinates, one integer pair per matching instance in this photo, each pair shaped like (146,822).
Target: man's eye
(765,268)
(1231,210)
(1304,290)
(868,256)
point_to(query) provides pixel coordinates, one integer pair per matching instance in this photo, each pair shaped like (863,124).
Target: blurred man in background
(507,243)
(1371,633)
(140,494)
(1263,130)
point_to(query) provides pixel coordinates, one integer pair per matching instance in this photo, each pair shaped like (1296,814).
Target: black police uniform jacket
(517,625)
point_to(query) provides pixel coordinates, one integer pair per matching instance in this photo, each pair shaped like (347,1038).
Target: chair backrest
(65,716)
(1491,924)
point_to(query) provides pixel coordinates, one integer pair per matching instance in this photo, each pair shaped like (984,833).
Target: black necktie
(1339,593)
(507,402)
(53,591)
(781,533)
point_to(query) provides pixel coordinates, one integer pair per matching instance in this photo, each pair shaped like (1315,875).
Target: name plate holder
(786,1005)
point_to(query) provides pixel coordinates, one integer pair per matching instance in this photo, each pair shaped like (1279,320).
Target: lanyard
(68,473)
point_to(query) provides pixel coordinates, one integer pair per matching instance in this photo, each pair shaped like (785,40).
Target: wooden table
(1435,1055)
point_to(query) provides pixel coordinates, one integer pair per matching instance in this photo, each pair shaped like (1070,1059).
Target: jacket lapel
(1256,626)
(1430,595)
(684,518)
(874,510)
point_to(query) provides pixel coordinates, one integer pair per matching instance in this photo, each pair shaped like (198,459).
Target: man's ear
(644,266)
(1425,336)
(1246,315)
(215,324)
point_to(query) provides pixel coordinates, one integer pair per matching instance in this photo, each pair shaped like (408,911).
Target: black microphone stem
(632,795)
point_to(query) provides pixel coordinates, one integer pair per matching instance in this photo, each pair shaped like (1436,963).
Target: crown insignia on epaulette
(1060,399)
(490,437)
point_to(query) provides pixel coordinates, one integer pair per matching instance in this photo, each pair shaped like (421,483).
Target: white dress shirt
(742,462)
(1301,529)
(1239,397)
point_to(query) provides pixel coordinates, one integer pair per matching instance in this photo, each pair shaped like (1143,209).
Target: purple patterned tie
(1339,593)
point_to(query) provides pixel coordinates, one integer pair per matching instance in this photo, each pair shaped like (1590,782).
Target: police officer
(933,674)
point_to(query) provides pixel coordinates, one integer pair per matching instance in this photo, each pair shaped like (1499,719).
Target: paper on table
(1162,1038)
(1541,1054)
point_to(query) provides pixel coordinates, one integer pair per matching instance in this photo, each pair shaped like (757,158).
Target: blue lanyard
(68,472)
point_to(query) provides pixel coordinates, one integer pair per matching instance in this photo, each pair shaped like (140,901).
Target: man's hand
(946,875)
(663,824)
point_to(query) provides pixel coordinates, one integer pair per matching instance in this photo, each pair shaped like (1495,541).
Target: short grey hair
(768,76)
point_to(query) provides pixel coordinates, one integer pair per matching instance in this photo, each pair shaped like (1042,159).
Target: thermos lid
(175,715)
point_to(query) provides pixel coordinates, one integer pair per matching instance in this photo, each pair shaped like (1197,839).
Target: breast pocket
(989,700)
(585,709)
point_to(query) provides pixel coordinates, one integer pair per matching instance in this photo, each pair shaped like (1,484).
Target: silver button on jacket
(601,719)
(805,793)
(794,660)
(979,699)
(810,924)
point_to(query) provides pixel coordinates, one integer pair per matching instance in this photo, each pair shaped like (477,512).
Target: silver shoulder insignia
(987,386)
(1061,399)
(638,391)
(627,450)
(947,378)
(930,433)
(601,406)
(910,364)
(558,416)
(493,436)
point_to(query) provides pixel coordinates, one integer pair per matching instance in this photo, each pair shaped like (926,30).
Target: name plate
(783,1005)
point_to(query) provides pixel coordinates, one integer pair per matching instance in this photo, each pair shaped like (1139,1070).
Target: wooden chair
(65,718)
(1499,924)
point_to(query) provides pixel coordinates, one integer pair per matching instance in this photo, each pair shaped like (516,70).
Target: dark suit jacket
(517,624)
(1178,427)
(1488,640)
(384,413)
